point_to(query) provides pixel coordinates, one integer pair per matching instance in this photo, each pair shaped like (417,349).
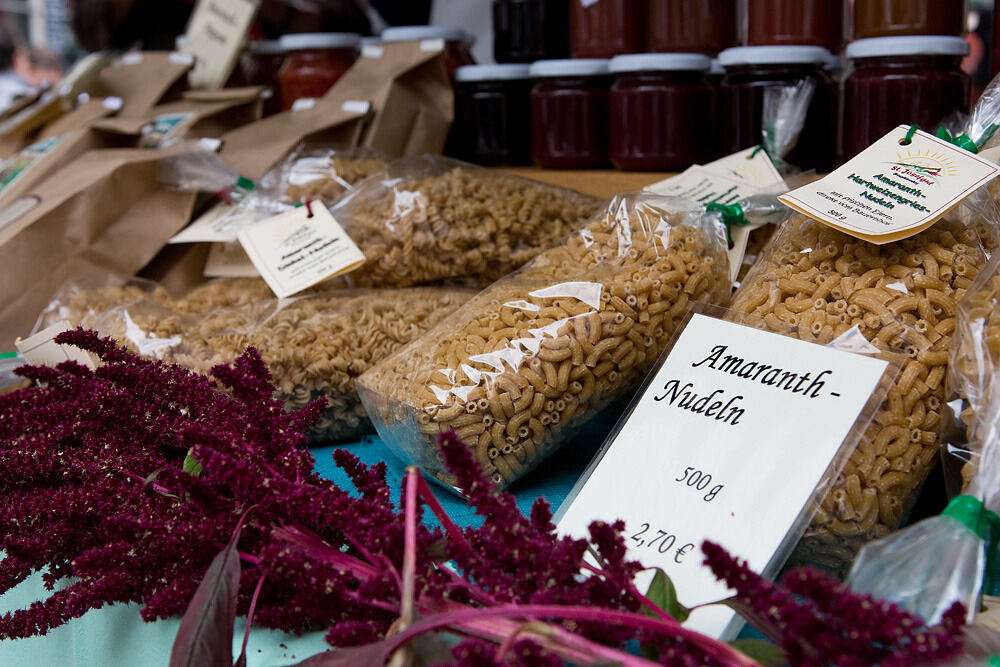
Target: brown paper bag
(83,116)
(410,93)
(145,79)
(107,211)
(253,149)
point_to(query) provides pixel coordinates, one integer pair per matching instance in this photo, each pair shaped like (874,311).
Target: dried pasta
(537,354)
(902,297)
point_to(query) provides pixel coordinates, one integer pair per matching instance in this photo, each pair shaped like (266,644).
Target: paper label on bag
(298,249)
(41,349)
(893,190)
(220,223)
(16,166)
(229,260)
(732,414)
(303,104)
(163,127)
(751,165)
(215,37)
(703,186)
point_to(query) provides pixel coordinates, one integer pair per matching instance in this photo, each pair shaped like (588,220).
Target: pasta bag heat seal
(518,369)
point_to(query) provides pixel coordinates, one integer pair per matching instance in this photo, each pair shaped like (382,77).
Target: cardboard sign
(897,187)
(215,36)
(42,350)
(731,415)
(298,249)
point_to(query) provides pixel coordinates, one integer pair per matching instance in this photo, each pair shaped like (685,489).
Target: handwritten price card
(726,442)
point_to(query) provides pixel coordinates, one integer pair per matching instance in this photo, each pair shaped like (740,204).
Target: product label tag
(731,416)
(303,104)
(751,165)
(163,127)
(229,260)
(42,350)
(702,186)
(895,188)
(300,248)
(215,36)
(16,166)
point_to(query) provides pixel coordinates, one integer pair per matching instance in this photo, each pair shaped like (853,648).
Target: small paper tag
(41,349)
(215,36)
(428,45)
(372,51)
(298,249)
(132,58)
(356,106)
(703,186)
(162,128)
(751,165)
(303,104)
(715,430)
(229,260)
(218,223)
(894,189)
(16,166)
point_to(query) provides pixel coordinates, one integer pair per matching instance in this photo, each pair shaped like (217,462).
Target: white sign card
(214,37)
(229,260)
(727,441)
(897,187)
(41,349)
(300,248)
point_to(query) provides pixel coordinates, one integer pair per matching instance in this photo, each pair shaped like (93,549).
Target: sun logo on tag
(295,235)
(922,167)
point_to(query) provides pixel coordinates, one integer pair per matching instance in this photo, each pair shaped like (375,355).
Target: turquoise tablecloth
(116,635)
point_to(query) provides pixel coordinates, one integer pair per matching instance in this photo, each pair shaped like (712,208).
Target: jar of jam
(751,71)
(528,30)
(569,113)
(456,42)
(605,28)
(800,22)
(493,114)
(261,64)
(697,26)
(909,79)
(891,18)
(661,112)
(315,62)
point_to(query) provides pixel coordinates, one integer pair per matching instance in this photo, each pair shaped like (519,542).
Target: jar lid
(644,62)
(774,55)
(504,72)
(320,40)
(716,67)
(266,47)
(569,67)
(908,45)
(370,41)
(415,33)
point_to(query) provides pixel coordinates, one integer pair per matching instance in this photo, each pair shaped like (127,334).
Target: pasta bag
(928,566)
(902,297)
(426,218)
(316,172)
(518,369)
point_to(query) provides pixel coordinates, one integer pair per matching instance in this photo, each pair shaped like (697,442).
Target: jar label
(897,187)
(300,248)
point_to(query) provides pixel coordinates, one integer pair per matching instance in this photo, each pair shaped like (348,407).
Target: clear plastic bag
(200,169)
(321,173)
(427,218)
(537,354)
(902,296)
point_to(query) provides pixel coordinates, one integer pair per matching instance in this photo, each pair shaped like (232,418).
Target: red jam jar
(796,22)
(261,65)
(661,112)
(569,113)
(528,30)
(493,114)
(751,71)
(891,18)
(456,42)
(696,26)
(605,28)
(896,80)
(315,62)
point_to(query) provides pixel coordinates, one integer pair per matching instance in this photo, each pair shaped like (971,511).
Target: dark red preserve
(661,112)
(569,113)
(528,30)
(493,114)
(605,28)
(898,80)
(890,18)
(696,26)
(796,22)
(261,65)
(315,61)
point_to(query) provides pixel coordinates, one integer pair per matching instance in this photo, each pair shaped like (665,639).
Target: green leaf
(663,594)
(761,650)
(191,465)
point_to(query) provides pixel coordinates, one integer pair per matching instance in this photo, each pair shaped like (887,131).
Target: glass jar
(456,42)
(896,80)
(569,113)
(661,112)
(493,114)
(261,65)
(890,18)
(750,72)
(605,28)
(528,30)
(315,62)
(800,22)
(697,26)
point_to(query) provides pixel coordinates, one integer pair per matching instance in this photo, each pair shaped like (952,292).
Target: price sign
(726,442)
